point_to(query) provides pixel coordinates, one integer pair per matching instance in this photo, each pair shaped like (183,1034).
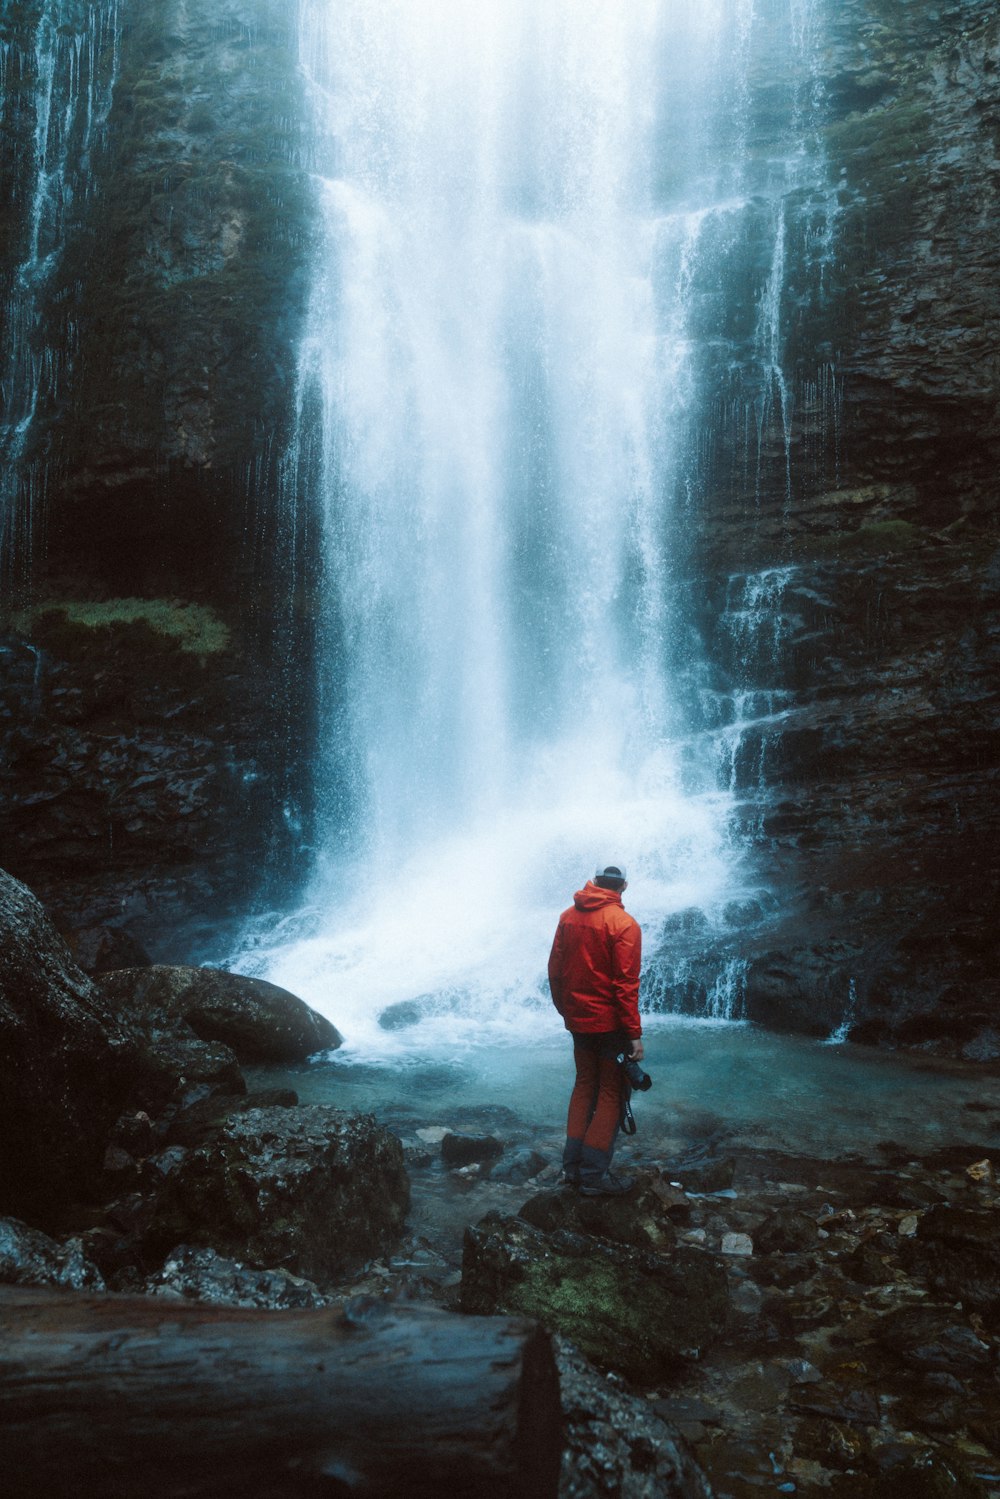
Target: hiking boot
(608,1186)
(570,1179)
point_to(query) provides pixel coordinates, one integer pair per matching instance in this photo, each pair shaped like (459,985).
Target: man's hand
(635,1050)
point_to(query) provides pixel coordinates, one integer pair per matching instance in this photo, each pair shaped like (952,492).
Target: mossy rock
(193,628)
(637,1313)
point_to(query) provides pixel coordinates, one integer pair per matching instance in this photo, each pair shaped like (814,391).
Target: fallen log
(120,1396)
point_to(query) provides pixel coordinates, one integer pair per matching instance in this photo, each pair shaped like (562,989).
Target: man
(594,979)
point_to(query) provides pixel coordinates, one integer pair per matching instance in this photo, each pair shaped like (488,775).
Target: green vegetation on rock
(194,628)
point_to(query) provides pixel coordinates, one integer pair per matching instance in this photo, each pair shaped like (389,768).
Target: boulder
(958,1251)
(935,1340)
(520,1166)
(614,1442)
(702,1172)
(312,1190)
(786,1231)
(641,1218)
(465,1150)
(257,1020)
(628,1310)
(202,1275)
(176,1068)
(63,1064)
(409,1012)
(30,1258)
(201,1118)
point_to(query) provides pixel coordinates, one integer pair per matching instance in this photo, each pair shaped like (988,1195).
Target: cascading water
(67,67)
(529,209)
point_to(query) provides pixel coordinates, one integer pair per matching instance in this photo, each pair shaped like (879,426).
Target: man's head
(610,877)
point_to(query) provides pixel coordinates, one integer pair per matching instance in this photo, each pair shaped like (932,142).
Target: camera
(638,1080)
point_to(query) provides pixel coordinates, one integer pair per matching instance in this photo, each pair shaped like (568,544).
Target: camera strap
(627,1118)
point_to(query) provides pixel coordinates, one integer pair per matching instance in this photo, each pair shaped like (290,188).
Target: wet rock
(919,1194)
(638,1313)
(198,1119)
(118,1163)
(519,1167)
(958,1251)
(801,1371)
(97,949)
(783,1270)
(312,1190)
(258,1021)
(203,1275)
(134,1131)
(165,1161)
(409,1012)
(984,1046)
(929,1475)
(702,1172)
(30,1258)
(467,1150)
(739,1245)
(868,1265)
(615,1444)
(640,1218)
(831,1443)
(171,1067)
(64,1064)
(853,1404)
(786,1231)
(936,1340)
(799,989)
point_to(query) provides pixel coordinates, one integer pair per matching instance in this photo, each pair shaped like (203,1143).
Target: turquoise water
(732,1083)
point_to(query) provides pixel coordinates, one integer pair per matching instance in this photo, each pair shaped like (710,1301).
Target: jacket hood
(592,896)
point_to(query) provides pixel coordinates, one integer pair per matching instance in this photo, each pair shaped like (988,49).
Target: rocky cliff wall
(144,778)
(867,774)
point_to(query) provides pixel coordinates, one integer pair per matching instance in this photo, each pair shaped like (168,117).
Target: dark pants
(594,1106)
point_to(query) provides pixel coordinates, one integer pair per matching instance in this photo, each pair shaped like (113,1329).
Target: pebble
(801,1371)
(741,1244)
(908,1226)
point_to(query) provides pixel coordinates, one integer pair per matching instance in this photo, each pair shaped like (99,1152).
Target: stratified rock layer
(848,573)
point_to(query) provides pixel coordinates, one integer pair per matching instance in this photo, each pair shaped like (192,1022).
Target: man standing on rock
(594,978)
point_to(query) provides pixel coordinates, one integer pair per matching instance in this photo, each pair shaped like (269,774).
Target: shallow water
(710,1081)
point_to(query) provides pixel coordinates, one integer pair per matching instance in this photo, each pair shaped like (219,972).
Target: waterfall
(537,218)
(70,63)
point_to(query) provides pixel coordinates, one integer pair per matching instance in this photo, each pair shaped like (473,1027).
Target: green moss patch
(194,628)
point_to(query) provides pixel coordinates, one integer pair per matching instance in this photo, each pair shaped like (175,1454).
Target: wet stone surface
(849,1364)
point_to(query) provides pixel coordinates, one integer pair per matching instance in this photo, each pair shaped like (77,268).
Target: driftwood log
(127,1396)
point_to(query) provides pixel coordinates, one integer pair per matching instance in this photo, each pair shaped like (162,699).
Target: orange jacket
(594,964)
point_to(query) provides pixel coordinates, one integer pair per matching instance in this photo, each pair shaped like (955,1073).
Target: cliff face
(868,781)
(143,780)
(182,390)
